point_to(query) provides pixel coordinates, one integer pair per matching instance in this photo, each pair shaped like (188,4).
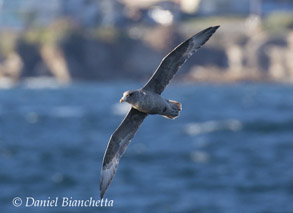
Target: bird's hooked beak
(122,99)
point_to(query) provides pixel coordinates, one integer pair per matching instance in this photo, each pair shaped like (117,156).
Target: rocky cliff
(234,54)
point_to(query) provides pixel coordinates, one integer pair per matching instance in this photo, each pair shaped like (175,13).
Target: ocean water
(231,149)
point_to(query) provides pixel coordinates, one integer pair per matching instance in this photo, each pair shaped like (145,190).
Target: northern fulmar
(148,100)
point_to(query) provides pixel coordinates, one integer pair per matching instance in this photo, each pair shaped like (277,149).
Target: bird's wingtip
(103,187)
(214,28)
(101,194)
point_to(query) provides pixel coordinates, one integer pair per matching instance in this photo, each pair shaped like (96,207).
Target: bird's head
(129,97)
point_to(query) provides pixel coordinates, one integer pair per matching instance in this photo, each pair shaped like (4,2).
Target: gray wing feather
(117,145)
(175,59)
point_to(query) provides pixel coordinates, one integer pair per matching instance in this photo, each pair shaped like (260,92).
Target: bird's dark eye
(130,94)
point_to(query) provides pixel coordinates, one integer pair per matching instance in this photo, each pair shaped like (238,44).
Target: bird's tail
(176,108)
(177,104)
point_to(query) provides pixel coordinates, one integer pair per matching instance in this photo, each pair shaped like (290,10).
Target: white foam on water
(41,83)
(67,111)
(6,83)
(199,157)
(120,109)
(212,126)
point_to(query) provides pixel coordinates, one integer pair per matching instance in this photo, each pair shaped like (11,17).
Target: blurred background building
(80,39)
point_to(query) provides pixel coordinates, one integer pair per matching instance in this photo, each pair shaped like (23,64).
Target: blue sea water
(231,149)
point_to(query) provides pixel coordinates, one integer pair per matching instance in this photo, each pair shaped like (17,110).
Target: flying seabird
(148,100)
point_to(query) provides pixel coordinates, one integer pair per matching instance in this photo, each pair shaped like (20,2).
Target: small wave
(120,109)
(212,126)
(67,111)
(199,157)
(41,83)
(139,148)
(57,178)
(32,117)
(6,83)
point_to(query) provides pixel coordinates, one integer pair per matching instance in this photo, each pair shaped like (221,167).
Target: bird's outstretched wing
(117,146)
(175,59)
